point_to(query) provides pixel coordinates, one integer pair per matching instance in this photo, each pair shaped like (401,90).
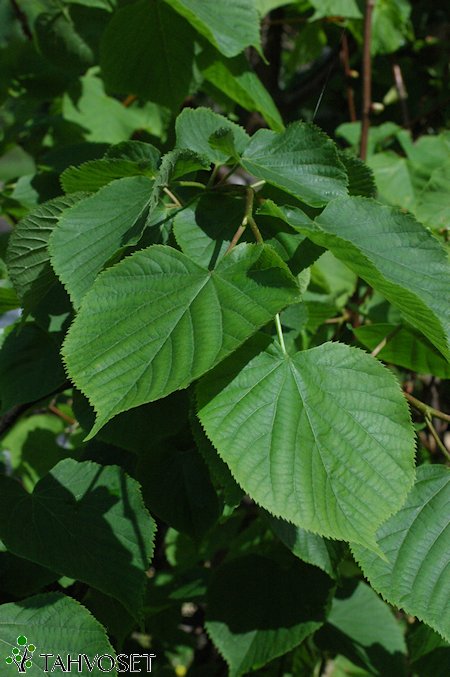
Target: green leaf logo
(21,657)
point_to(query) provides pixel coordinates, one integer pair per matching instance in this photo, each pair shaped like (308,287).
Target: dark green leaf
(148,50)
(259,609)
(416,540)
(55,624)
(157,321)
(90,233)
(195,127)
(302,161)
(30,366)
(230,25)
(84,521)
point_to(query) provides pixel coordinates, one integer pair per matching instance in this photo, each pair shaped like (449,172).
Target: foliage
(213,317)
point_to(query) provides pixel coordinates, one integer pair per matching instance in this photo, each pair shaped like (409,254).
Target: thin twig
(385,340)
(22,19)
(367,78)
(61,414)
(436,437)
(345,58)
(425,409)
(402,92)
(172,196)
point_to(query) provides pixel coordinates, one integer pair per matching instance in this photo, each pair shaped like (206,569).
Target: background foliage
(180,473)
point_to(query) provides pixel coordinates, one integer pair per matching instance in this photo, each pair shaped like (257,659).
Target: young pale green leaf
(361,627)
(30,366)
(416,540)
(92,175)
(84,521)
(54,624)
(194,127)
(157,321)
(303,161)
(322,439)
(376,242)
(258,609)
(90,233)
(147,49)
(345,8)
(405,347)
(235,78)
(27,255)
(309,547)
(230,25)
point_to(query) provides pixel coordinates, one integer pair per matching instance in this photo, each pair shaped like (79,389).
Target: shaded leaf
(361,627)
(92,175)
(148,50)
(258,609)
(27,254)
(406,348)
(56,624)
(309,547)
(177,488)
(30,366)
(80,515)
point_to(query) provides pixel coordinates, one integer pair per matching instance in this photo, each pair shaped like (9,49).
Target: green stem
(212,178)
(280,333)
(436,437)
(190,184)
(425,409)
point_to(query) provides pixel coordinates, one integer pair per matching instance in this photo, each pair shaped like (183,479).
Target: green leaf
(92,175)
(322,439)
(144,154)
(32,445)
(30,366)
(80,515)
(136,430)
(177,487)
(235,78)
(194,128)
(429,653)
(362,627)
(393,179)
(360,176)
(62,42)
(55,624)
(258,609)
(303,161)
(309,547)
(19,577)
(27,254)
(432,203)
(345,8)
(391,251)
(204,229)
(92,231)
(416,575)
(148,50)
(230,25)
(406,348)
(156,321)
(103,118)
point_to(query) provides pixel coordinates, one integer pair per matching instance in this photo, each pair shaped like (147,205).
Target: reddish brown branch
(367,78)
